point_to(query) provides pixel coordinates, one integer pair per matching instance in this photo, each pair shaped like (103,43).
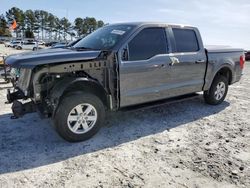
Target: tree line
(45,25)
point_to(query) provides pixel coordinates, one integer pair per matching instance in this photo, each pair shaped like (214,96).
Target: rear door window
(148,43)
(185,40)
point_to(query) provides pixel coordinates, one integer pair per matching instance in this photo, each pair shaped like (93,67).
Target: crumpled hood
(49,56)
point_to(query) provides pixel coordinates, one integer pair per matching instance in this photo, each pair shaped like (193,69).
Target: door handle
(200,61)
(159,66)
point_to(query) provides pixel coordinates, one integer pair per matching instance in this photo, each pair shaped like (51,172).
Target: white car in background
(14,44)
(7,44)
(41,42)
(26,45)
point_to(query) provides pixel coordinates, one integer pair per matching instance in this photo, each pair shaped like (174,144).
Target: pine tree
(4,29)
(46,25)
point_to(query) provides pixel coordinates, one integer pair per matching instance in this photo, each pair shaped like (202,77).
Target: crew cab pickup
(118,66)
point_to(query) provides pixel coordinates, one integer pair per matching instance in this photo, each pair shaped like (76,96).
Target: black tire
(210,96)
(34,49)
(66,106)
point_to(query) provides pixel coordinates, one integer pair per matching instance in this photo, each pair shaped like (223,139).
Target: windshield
(104,38)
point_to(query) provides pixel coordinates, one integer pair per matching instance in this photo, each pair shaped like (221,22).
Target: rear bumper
(238,77)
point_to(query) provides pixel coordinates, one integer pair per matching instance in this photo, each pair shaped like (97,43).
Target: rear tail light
(242,61)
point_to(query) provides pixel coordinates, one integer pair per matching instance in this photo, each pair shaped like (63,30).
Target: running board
(161,102)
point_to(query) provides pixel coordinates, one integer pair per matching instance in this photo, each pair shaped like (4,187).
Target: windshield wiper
(83,48)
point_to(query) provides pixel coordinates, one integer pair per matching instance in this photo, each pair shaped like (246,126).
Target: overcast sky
(223,22)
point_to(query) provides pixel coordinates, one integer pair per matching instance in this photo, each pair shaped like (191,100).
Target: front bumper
(16,95)
(18,108)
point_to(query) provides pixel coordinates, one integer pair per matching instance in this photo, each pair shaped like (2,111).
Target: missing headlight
(24,80)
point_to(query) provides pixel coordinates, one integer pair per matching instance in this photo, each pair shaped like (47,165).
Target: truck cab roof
(140,24)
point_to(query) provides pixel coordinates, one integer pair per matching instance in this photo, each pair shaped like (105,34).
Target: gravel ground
(185,144)
(9,51)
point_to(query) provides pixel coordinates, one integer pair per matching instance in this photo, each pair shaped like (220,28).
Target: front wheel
(79,117)
(217,92)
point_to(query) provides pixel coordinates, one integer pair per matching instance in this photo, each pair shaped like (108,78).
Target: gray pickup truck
(117,66)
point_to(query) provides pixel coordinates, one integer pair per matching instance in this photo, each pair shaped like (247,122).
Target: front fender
(60,87)
(67,85)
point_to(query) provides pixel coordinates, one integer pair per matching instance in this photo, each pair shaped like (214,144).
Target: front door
(143,72)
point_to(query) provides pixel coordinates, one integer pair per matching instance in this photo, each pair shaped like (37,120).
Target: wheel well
(89,87)
(226,72)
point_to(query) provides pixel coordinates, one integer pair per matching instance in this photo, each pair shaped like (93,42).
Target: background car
(26,45)
(74,42)
(2,41)
(59,45)
(51,43)
(65,44)
(7,43)
(247,55)
(41,42)
(14,44)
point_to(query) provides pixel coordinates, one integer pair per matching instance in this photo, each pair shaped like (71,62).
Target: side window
(186,40)
(148,43)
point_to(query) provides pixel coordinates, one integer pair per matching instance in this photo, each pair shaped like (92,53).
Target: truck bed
(220,49)
(220,56)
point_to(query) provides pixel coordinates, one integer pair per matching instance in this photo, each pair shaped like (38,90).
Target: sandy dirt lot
(185,144)
(9,51)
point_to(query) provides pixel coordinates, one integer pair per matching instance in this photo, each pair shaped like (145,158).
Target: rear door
(143,60)
(187,71)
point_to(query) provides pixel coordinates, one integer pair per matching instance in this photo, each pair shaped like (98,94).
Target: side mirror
(125,54)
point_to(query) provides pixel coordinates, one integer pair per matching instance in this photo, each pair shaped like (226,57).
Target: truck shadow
(30,142)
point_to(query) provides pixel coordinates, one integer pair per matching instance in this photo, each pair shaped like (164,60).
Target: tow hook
(19,109)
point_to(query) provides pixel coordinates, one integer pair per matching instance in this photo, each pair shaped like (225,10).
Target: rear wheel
(35,48)
(79,117)
(218,91)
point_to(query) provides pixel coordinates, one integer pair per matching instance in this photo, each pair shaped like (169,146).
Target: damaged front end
(19,109)
(21,92)
(43,85)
